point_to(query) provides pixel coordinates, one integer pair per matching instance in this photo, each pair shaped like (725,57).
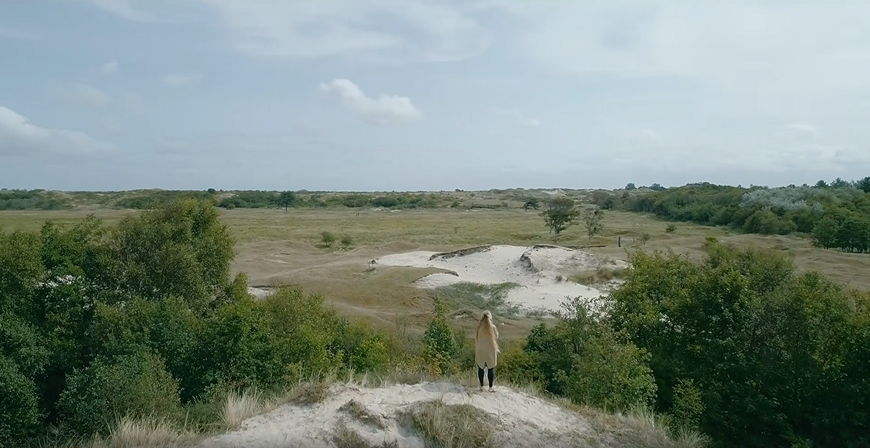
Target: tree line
(835,215)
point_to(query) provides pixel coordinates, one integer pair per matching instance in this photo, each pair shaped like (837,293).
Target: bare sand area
(379,416)
(540,273)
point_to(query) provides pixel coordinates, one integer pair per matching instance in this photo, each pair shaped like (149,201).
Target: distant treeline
(32,200)
(836,215)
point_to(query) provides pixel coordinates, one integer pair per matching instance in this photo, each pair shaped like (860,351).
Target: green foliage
(559,215)
(256,199)
(135,385)
(327,238)
(592,219)
(21,270)
(532,203)
(149,199)
(671,228)
(98,323)
(838,216)
(287,199)
(168,328)
(766,348)
(346,241)
(181,249)
(688,405)
(32,200)
(583,359)
(843,229)
(440,348)
(20,416)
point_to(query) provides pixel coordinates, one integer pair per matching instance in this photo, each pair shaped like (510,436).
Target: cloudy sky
(423,95)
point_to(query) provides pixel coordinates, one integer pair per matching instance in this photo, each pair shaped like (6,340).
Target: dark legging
(490,375)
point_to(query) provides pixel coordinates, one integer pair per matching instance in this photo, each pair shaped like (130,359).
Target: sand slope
(521,419)
(539,271)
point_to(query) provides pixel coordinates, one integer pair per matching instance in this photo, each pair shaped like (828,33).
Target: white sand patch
(521,419)
(540,271)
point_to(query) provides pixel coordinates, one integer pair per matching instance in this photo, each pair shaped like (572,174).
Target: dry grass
(359,412)
(451,426)
(239,406)
(144,434)
(640,428)
(277,248)
(344,437)
(308,392)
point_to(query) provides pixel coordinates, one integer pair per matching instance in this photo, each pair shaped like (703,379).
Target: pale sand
(520,419)
(536,270)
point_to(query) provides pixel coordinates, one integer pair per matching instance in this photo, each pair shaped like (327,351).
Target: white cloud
(650,135)
(86,95)
(110,68)
(18,136)
(806,129)
(180,79)
(386,30)
(520,118)
(738,45)
(123,9)
(385,109)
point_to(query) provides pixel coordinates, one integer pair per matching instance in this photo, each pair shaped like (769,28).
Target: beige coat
(486,347)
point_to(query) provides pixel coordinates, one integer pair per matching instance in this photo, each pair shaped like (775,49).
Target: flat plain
(276,248)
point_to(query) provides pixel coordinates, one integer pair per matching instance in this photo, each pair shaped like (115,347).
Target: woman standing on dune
(486,349)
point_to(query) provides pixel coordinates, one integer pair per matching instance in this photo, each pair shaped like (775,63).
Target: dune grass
(451,426)
(147,433)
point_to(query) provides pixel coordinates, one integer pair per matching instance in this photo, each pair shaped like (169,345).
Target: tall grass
(239,406)
(147,433)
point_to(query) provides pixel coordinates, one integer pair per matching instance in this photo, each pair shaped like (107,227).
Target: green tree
(863,184)
(287,199)
(20,416)
(439,343)
(583,359)
(593,219)
(559,215)
(135,385)
(181,249)
(763,345)
(630,186)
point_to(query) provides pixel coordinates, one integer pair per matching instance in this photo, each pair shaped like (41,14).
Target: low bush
(135,385)
(20,417)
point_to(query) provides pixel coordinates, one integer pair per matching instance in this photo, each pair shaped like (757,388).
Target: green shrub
(327,238)
(688,405)
(19,410)
(346,241)
(439,343)
(769,350)
(671,228)
(181,249)
(168,328)
(135,385)
(582,359)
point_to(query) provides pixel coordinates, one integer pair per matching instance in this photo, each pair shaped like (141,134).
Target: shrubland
(101,326)
(143,320)
(835,215)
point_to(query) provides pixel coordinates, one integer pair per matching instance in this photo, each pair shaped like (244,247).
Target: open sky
(428,95)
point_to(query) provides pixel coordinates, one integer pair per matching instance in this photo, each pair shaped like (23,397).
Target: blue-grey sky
(423,95)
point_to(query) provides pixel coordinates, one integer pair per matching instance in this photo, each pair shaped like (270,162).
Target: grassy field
(277,248)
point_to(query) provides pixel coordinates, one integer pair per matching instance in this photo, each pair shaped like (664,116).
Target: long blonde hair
(487,331)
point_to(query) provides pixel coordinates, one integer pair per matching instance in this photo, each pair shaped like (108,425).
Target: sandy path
(522,419)
(539,271)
